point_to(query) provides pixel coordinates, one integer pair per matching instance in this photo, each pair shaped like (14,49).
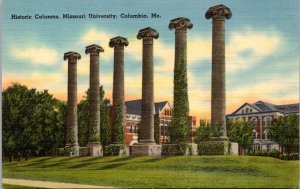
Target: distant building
(163,109)
(261,115)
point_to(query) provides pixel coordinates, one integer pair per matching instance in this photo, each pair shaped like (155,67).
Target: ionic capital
(180,23)
(218,12)
(147,34)
(118,41)
(71,56)
(93,49)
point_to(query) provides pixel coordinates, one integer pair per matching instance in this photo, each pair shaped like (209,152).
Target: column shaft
(147,128)
(118,94)
(72,128)
(94,104)
(218,98)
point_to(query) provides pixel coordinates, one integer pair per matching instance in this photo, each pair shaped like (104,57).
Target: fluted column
(93,93)
(147,121)
(118,113)
(72,127)
(181,102)
(218,97)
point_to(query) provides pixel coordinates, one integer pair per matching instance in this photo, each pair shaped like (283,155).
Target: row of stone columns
(147,144)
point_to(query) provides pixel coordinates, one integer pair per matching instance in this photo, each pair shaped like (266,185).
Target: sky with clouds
(262,48)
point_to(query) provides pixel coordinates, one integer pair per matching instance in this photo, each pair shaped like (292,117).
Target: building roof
(289,108)
(264,107)
(135,106)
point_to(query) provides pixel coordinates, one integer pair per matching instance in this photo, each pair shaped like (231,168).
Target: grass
(163,172)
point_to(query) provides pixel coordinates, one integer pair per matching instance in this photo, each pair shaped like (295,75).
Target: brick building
(164,111)
(261,115)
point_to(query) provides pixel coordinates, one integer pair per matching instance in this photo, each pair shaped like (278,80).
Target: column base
(116,150)
(179,149)
(145,150)
(93,149)
(71,150)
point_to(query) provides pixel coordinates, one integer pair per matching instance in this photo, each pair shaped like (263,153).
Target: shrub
(114,150)
(274,153)
(212,147)
(174,149)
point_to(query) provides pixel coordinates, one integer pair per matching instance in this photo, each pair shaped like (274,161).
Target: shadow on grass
(39,163)
(111,166)
(121,159)
(80,165)
(92,159)
(155,159)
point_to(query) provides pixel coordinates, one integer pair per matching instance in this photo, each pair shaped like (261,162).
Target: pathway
(46,184)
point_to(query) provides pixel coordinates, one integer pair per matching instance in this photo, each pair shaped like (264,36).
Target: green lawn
(179,171)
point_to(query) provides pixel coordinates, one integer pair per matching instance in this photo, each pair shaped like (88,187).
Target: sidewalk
(46,184)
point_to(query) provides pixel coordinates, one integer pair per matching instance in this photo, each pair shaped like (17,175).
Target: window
(130,130)
(247,110)
(266,132)
(255,134)
(162,130)
(254,121)
(135,129)
(250,110)
(267,121)
(242,111)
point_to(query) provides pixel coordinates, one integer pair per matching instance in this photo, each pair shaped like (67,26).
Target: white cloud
(99,38)
(41,55)
(246,49)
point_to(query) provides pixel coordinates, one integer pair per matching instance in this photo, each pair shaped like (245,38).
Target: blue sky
(262,48)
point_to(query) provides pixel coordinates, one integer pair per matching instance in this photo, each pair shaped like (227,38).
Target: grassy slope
(180,171)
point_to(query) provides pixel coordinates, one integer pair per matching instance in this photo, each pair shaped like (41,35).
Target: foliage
(274,153)
(83,109)
(33,121)
(212,147)
(179,129)
(114,150)
(147,172)
(285,130)
(118,127)
(104,122)
(205,131)
(156,128)
(240,131)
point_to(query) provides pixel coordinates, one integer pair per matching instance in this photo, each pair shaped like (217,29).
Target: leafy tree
(31,121)
(285,131)
(179,129)
(240,131)
(156,128)
(206,131)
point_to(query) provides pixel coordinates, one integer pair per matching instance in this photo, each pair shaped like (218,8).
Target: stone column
(218,99)
(72,127)
(181,102)
(147,119)
(94,104)
(118,113)
(147,143)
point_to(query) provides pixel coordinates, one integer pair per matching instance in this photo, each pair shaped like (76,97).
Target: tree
(206,131)
(104,122)
(285,131)
(240,131)
(156,128)
(31,121)
(179,129)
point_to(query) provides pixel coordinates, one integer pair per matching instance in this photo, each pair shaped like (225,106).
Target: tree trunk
(3,156)
(11,157)
(26,157)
